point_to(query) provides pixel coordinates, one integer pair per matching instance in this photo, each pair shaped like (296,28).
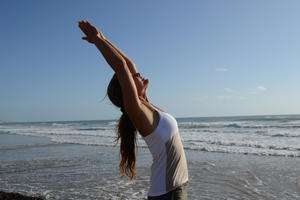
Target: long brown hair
(126,132)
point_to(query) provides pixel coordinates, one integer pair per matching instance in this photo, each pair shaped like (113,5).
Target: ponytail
(126,131)
(127,134)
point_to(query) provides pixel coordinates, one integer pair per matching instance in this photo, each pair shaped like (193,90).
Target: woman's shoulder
(147,121)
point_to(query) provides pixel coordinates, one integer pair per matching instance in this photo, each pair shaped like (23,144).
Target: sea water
(247,157)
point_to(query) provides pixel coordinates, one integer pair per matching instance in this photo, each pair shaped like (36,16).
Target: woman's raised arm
(131,65)
(112,57)
(131,100)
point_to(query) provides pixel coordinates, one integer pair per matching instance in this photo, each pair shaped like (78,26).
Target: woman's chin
(146,82)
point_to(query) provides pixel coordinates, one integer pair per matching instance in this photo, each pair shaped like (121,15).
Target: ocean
(245,157)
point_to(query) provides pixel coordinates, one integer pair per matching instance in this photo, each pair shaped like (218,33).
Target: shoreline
(179,117)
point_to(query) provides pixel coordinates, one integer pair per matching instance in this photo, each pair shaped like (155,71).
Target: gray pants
(179,193)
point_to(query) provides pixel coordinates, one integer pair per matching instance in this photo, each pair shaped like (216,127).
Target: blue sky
(204,58)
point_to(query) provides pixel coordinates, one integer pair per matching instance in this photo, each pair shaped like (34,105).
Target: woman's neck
(144,97)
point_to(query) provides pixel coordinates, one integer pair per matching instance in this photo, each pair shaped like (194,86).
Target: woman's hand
(90,31)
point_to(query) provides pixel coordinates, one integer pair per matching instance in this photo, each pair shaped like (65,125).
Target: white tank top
(169,168)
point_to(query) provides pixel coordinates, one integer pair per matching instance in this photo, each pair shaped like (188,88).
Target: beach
(219,76)
(78,160)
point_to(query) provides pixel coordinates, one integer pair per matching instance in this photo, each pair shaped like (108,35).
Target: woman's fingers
(85,28)
(82,27)
(89,23)
(91,32)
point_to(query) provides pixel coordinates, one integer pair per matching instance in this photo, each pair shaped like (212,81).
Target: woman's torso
(169,168)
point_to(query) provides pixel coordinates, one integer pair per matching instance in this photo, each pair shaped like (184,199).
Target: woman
(128,91)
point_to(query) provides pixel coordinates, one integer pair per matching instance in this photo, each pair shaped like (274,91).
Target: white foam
(273,137)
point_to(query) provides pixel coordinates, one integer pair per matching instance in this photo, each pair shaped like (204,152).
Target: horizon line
(249,115)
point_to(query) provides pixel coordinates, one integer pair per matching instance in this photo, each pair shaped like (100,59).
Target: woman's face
(140,83)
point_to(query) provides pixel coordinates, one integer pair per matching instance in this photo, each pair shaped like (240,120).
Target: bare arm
(131,100)
(112,57)
(131,65)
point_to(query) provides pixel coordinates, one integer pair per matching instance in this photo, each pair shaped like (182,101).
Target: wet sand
(16,196)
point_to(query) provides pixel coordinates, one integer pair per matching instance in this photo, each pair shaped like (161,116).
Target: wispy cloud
(229,90)
(261,88)
(235,95)
(257,90)
(221,69)
(224,97)
(232,95)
